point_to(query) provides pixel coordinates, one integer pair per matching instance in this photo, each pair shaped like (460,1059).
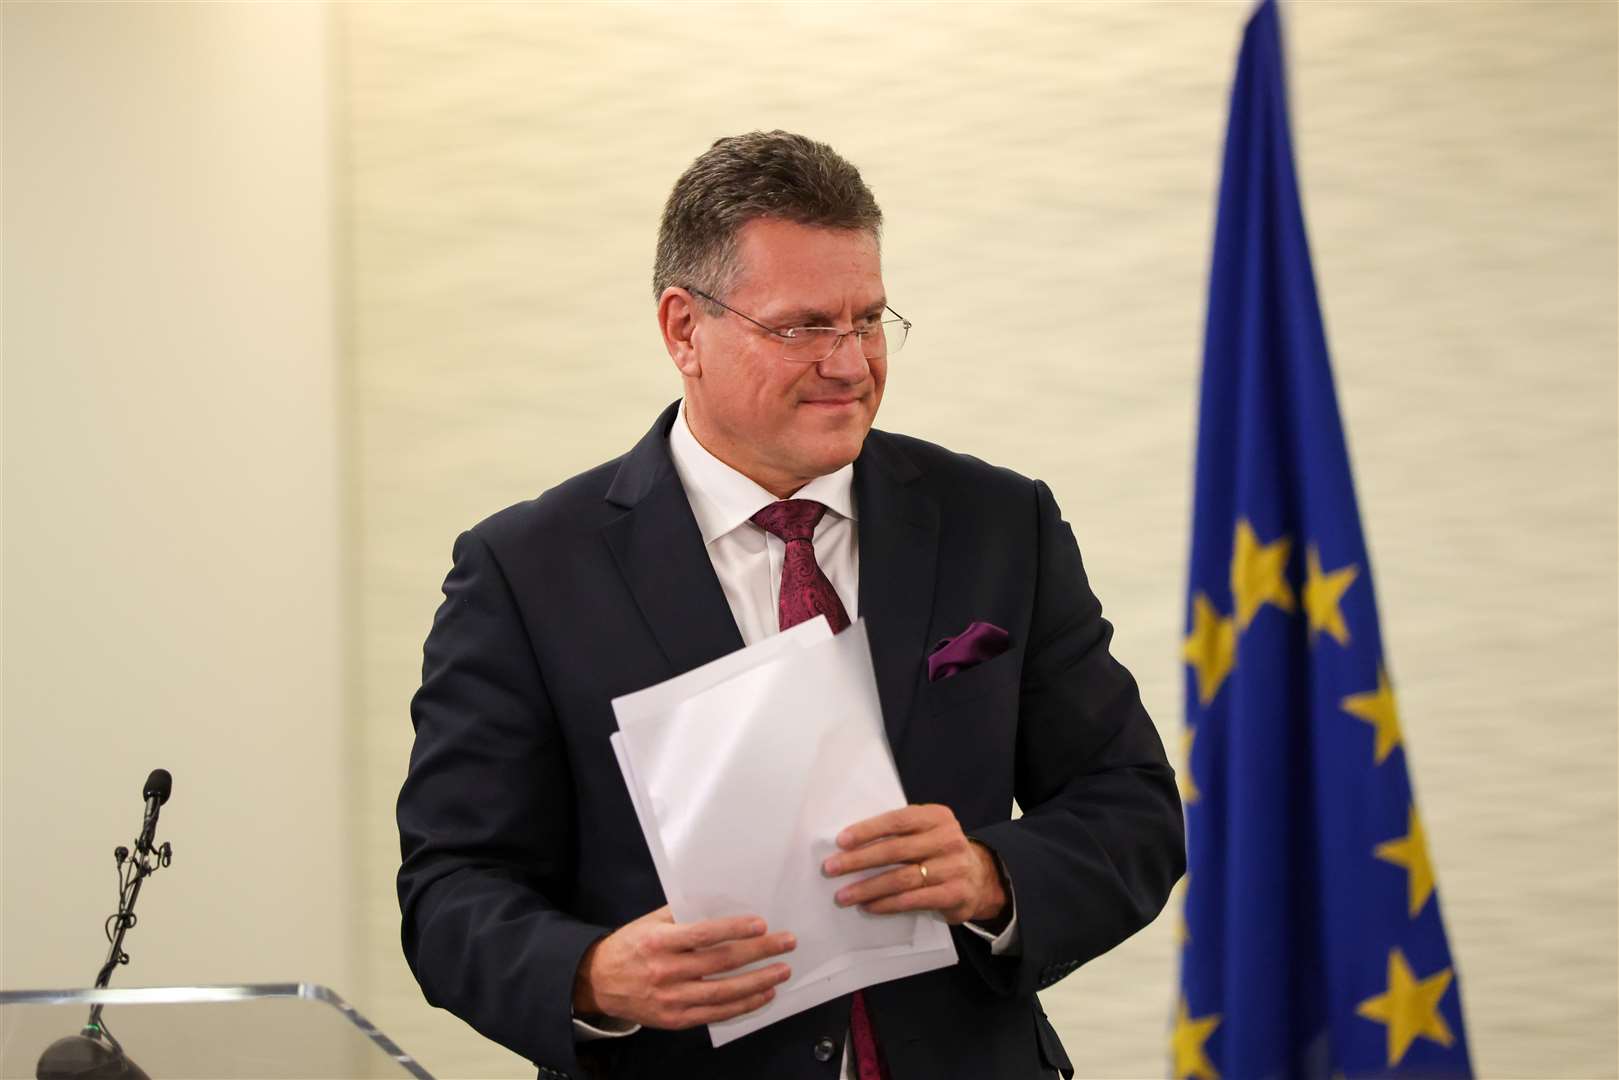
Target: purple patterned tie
(806,593)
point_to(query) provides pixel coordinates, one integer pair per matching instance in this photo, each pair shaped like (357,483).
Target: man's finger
(912,848)
(711,992)
(932,898)
(709,1015)
(900,879)
(700,935)
(905,819)
(734,954)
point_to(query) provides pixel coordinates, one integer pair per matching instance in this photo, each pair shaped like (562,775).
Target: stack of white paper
(743,772)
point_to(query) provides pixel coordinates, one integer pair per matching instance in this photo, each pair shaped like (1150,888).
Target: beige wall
(1049,175)
(179,523)
(172,493)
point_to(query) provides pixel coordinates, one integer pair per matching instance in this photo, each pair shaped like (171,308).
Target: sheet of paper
(643,814)
(745,775)
(657,701)
(648,705)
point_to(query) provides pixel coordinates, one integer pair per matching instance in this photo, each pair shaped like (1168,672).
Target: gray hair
(763,174)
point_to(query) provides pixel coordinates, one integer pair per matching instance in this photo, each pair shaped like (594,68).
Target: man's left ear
(677,320)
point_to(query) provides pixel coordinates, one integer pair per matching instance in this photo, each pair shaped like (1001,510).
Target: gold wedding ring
(924,870)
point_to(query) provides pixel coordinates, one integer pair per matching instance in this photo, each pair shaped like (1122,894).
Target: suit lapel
(899,544)
(660,552)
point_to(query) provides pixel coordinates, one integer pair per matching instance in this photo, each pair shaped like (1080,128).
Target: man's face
(784,422)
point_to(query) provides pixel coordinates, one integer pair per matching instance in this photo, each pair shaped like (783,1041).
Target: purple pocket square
(979,642)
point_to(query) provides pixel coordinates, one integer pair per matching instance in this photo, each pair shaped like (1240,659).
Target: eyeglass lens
(814,344)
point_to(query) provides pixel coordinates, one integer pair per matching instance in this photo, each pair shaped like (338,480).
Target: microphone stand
(133,870)
(95,1053)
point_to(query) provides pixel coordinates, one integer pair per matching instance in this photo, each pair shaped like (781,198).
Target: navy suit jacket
(520,846)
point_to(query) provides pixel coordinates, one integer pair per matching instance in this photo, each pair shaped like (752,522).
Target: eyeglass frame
(786,335)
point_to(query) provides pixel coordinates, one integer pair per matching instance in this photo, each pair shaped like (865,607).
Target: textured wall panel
(172,484)
(1049,173)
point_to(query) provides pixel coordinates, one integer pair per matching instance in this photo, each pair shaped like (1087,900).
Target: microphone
(94,1053)
(156,793)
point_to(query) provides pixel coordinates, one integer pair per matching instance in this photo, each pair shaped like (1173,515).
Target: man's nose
(848,361)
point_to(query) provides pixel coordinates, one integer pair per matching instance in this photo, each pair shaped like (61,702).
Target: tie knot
(790,519)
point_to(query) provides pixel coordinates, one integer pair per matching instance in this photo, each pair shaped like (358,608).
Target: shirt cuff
(607,1029)
(999,944)
(1007,940)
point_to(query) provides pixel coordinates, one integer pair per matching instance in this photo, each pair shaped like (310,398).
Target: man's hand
(651,971)
(961,881)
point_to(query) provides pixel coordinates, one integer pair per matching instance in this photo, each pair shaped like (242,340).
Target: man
(531,906)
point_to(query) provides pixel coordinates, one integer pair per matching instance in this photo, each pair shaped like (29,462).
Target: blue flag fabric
(1312,942)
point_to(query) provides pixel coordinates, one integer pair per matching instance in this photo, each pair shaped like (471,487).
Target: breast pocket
(961,742)
(978,681)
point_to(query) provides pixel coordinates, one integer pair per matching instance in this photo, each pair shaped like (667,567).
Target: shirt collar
(722,498)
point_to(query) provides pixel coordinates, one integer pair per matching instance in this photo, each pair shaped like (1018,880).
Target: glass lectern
(208,1032)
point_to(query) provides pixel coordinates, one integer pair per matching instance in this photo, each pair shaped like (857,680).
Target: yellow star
(1256,574)
(1321,595)
(1377,709)
(1183,933)
(1189,792)
(1411,852)
(1187,1045)
(1409,1008)
(1211,648)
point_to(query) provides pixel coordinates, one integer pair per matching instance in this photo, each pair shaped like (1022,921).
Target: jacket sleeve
(486,826)
(1101,840)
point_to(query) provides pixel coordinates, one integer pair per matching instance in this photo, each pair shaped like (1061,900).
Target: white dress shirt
(748,560)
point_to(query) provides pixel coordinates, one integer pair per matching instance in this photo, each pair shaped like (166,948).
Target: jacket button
(825,1048)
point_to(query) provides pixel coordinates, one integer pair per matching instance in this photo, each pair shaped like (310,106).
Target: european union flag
(1313,945)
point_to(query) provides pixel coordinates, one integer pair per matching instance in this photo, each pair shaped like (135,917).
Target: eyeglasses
(812,344)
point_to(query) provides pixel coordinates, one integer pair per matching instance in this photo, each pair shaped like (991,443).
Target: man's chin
(832,437)
(833,454)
